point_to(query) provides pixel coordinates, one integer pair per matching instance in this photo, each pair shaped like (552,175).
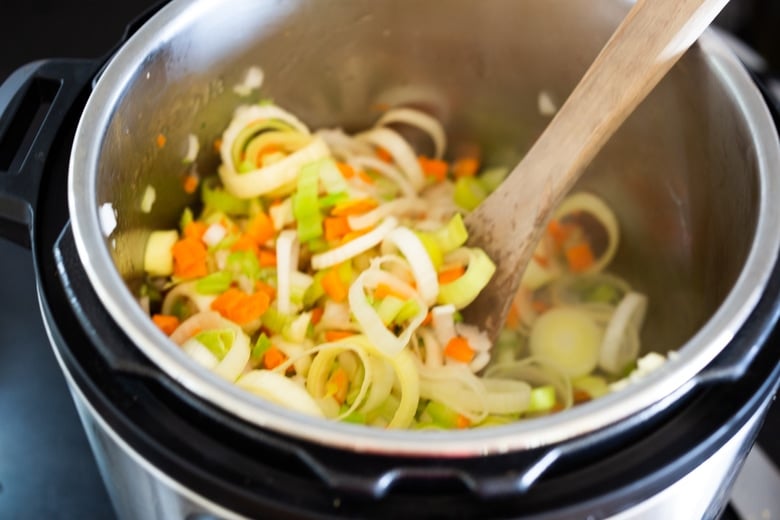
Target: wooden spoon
(509,223)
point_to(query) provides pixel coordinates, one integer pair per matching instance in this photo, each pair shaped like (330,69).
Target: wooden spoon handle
(651,38)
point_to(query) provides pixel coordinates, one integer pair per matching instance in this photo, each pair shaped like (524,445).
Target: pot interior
(681,174)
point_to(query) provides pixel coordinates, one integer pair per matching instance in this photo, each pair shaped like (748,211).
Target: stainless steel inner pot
(692,175)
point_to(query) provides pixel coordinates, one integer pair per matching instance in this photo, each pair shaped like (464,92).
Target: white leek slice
(186,291)
(354,247)
(321,367)
(620,345)
(386,170)
(567,338)
(287,251)
(463,290)
(381,383)
(276,178)
(253,80)
(420,263)
(158,256)
(235,360)
(421,120)
(368,319)
(537,274)
(202,355)
(282,214)
(280,390)
(396,207)
(193,147)
(434,356)
(409,383)
(400,150)
(148,198)
(443,322)
(589,203)
(214,234)
(342,145)
(536,372)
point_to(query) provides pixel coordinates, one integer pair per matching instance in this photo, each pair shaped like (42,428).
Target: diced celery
(542,399)
(469,193)
(214,283)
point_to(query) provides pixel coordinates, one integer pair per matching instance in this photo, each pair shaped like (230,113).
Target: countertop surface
(46,467)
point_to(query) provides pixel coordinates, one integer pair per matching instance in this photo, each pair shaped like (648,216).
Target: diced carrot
(263,287)
(581,396)
(190,184)
(513,317)
(451,274)
(245,243)
(261,228)
(316,315)
(541,260)
(251,308)
(540,306)
(338,384)
(335,335)
(462,422)
(346,170)
(336,227)
(195,230)
(240,307)
(381,107)
(465,167)
(365,177)
(273,357)
(333,286)
(353,207)
(266,258)
(160,140)
(217,145)
(189,258)
(427,320)
(458,348)
(558,231)
(435,168)
(383,290)
(384,154)
(579,257)
(225,302)
(166,322)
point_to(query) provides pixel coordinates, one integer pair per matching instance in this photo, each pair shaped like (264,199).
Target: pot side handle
(34,102)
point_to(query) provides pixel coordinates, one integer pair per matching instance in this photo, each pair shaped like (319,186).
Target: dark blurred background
(46,468)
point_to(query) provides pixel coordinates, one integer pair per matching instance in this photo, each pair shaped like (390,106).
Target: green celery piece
(442,415)
(469,193)
(274,321)
(407,312)
(262,344)
(214,283)
(216,198)
(245,263)
(331,199)
(217,341)
(492,178)
(186,218)
(543,398)
(306,208)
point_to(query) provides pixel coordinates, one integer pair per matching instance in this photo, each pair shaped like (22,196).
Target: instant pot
(692,176)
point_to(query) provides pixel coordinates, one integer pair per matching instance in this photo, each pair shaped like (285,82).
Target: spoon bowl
(509,223)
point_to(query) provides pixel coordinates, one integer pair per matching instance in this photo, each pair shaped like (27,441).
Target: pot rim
(654,392)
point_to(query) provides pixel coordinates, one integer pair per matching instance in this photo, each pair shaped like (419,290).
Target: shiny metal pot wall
(691,175)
